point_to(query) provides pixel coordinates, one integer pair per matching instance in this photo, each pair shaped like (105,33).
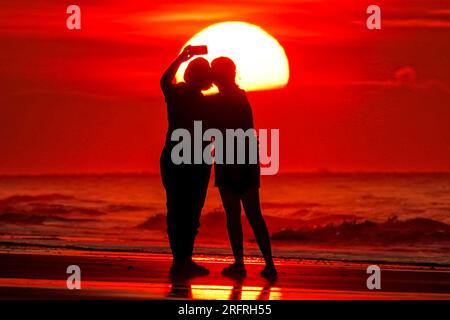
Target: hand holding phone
(191,51)
(197,50)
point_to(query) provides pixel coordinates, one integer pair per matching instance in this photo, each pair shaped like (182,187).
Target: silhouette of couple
(186,184)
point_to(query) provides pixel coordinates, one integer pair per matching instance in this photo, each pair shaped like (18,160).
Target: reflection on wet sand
(186,290)
(108,275)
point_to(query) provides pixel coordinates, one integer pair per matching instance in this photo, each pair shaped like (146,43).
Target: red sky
(358,100)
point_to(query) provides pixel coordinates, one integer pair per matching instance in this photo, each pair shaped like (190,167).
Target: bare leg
(252,207)
(232,206)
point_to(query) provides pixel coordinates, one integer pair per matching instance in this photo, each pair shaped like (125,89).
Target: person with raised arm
(186,183)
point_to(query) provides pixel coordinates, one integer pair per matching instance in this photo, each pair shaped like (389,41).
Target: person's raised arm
(169,75)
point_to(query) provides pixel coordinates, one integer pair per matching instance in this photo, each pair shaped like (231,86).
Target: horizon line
(153,173)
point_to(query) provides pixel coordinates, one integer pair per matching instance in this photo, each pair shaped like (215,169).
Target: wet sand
(118,275)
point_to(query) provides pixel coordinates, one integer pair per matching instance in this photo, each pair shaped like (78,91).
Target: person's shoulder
(241,91)
(242,95)
(175,90)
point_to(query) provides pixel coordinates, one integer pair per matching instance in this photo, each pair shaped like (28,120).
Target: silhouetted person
(238,183)
(185,184)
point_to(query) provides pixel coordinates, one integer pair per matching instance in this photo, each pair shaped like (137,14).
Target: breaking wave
(391,231)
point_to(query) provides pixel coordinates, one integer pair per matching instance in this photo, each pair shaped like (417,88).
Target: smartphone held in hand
(197,50)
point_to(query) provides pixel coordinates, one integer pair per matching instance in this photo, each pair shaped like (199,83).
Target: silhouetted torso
(184,106)
(232,110)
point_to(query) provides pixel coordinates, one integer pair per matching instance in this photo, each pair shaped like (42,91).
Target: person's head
(223,72)
(198,74)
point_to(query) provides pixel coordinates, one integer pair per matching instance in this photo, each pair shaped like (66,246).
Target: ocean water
(399,218)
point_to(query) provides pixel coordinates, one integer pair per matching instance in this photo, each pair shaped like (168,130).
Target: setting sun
(260,59)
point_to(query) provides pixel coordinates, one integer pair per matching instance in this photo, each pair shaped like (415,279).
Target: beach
(325,230)
(41,274)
